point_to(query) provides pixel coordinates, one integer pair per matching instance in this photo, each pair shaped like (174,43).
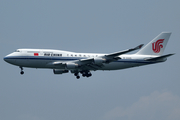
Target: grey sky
(148,92)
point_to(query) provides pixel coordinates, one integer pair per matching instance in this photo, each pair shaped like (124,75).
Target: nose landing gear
(22,72)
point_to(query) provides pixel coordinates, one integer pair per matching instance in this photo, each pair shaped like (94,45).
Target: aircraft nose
(6,58)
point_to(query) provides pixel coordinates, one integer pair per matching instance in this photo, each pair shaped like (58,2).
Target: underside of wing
(84,64)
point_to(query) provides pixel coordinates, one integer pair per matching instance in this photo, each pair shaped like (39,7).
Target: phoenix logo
(156,46)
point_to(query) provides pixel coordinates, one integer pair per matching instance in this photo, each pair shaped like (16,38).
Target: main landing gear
(77,75)
(22,72)
(84,74)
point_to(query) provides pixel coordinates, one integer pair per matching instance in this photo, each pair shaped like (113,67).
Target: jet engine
(99,60)
(71,65)
(59,71)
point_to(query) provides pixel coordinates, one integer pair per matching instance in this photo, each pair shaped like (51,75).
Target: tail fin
(156,46)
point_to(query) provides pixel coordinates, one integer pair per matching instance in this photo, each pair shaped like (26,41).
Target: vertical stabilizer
(156,46)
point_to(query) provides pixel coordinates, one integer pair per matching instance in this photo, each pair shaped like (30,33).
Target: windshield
(17,50)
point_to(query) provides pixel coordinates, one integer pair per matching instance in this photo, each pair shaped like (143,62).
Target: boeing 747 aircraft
(65,61)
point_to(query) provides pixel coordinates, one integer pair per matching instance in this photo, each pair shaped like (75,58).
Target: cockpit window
(17,51)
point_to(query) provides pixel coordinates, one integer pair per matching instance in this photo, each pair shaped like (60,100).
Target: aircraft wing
(112,55)
(58,63)
(84,64)
(88,64)
(94,63)
(85,61)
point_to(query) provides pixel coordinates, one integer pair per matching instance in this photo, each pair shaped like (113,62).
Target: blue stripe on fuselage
(70,59)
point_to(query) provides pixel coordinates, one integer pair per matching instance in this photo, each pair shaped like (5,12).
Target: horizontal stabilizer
(160,58)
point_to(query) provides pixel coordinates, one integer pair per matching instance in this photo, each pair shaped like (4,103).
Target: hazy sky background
(143,93)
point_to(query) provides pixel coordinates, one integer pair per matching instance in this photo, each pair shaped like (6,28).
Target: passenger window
(47,54)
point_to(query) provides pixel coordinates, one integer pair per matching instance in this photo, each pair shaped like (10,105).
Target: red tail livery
(156,46)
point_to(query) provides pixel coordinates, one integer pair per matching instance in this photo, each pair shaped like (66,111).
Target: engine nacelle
(59,71)
(71,65)
(99,60)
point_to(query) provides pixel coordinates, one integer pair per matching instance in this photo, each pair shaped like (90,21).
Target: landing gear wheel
(77,77)
(75,74)
(86,73)
(90,75)
(22,72)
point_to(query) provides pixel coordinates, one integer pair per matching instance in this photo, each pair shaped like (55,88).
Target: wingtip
(140,46)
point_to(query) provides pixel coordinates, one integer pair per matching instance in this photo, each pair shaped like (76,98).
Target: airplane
(83,63)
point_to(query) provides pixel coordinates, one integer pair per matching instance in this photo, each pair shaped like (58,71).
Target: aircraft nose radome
(6,58)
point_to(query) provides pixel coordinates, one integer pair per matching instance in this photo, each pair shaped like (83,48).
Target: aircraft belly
(20,62)
(38,63)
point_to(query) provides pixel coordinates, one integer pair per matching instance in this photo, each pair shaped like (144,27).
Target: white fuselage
(83,63)
(43,58)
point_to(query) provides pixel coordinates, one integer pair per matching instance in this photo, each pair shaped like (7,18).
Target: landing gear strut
(22,72)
